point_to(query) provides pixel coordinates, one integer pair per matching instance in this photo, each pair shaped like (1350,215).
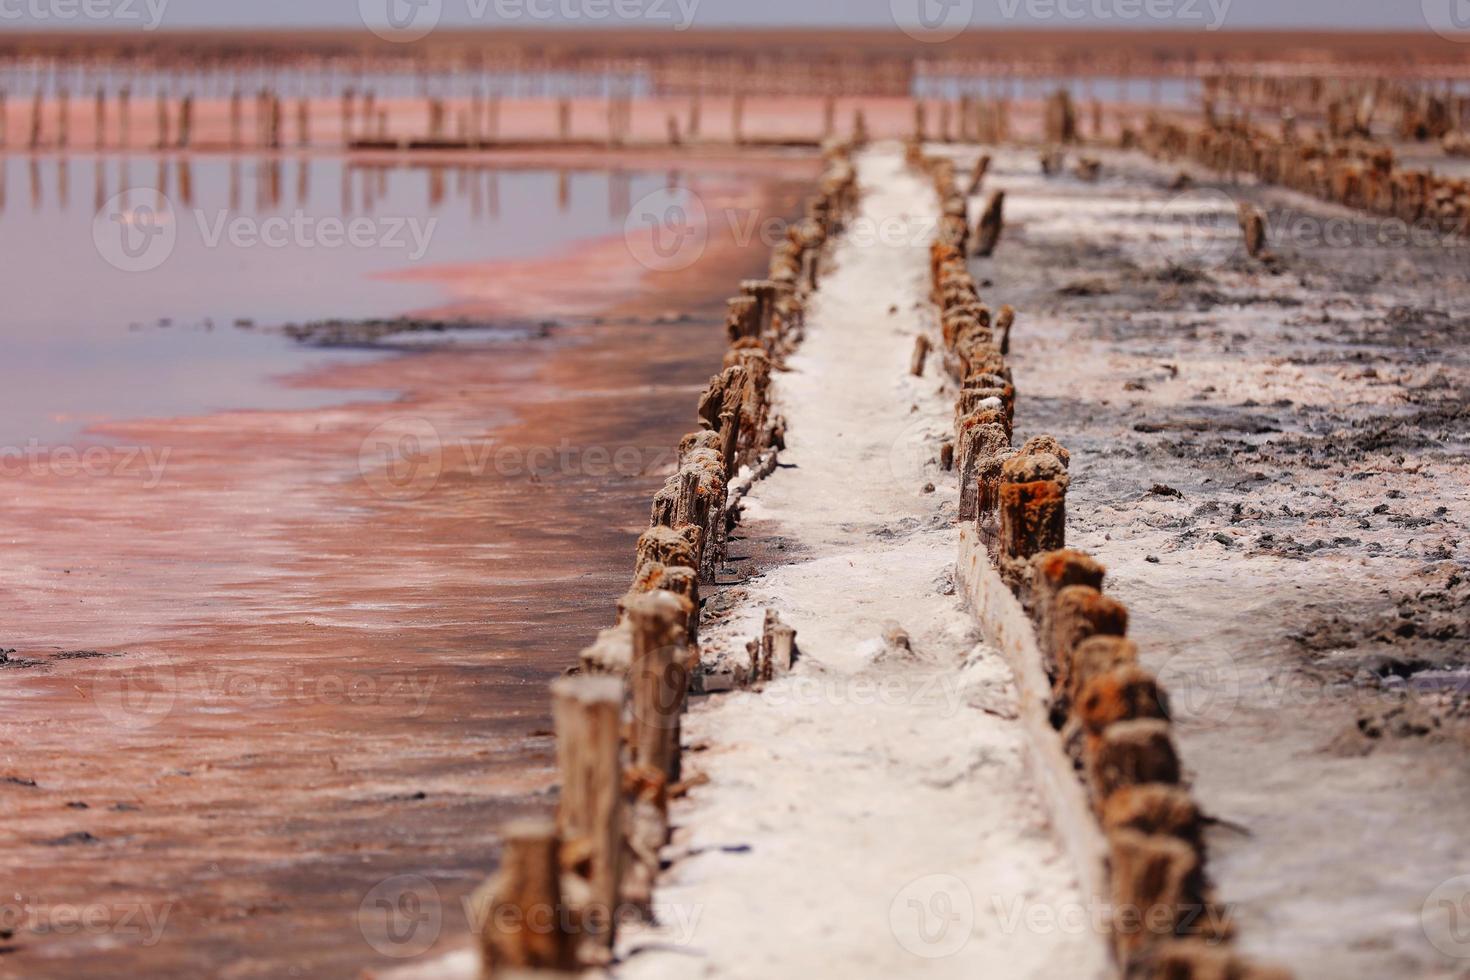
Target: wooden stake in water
(588,712)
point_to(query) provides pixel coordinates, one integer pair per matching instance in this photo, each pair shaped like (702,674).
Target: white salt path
(872,814)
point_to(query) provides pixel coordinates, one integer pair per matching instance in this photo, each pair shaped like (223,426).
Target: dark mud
(1272,460)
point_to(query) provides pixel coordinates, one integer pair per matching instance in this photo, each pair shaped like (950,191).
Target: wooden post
(588,712)
(186,121)
(237,119)
(977,176)
(99,119)
(921,354)
(658,681)
(1132,753)
(35,141)
(521,916)
(124,117)
(990,226)
(303,122)
(161,141)
(564,119)
(737,118)
(349,113)
(63,118)
(1253,227)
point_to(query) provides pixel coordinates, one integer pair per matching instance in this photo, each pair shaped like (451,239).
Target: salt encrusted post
(1132,753)
(522,919)
(991,224)
(1033,514)
(1155,809)
(982,436)
(1158,890)
(1052,572)
(588,713)
(1079,612)
(658,681)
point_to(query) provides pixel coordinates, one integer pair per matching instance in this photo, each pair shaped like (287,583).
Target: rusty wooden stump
(523,922)
(921,354)
(1132,753)
(992,223)
(588,712)
(1158,890)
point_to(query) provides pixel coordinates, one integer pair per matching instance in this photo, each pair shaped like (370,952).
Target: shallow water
(104,323)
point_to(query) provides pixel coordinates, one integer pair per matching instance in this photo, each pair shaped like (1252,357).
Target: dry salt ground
(871,814)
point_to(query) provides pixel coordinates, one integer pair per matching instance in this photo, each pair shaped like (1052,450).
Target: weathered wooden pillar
(303,122)
(991,224)
(161,136)
(737,118)
(124,117)
(63,118)
(349,113)
(521,915)
(1132,753)
(977,176)
(658,680)
(186,122)
(1033,514)
(1157,889)
(564,119)
(99,119)
(35,140)
(921,354)
(1253,228)
(588,712)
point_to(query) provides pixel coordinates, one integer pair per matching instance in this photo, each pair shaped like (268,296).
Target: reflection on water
(109,321)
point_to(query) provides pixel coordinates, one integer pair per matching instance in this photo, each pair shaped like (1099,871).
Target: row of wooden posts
(1358,174)
(618,714)
(1111,713)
